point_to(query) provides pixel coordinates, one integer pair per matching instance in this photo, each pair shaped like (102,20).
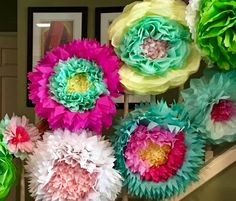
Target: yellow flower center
(78,83)
(155,154)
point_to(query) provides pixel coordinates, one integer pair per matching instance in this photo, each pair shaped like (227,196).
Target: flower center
(70,182)
(222,111)
(20,136)
(154,49)
(78,83)
(155,154)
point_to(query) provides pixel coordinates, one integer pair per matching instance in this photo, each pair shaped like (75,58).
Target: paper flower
(215,30)
(73,166)
(7,171)
(211,102)
(192,13)
(19,135)
(158,152)
(73,85)
(152,39)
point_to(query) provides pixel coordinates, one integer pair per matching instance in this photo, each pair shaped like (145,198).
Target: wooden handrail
(210,170)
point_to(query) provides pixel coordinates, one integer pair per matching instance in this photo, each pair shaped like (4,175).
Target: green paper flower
(154,45)
(173,118)
(7,172)
(216,35)
(211,103)
(77,83)
(3,124)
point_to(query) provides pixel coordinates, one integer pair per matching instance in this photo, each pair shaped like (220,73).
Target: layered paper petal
(7,171)
(158,152)
(19,135)
(215,31)
(73,85)
(211,102)
(152,40)
(73,166)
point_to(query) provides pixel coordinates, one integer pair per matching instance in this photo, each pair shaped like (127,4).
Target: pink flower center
(222,111)
(70,182)
(20,136)
(154,48)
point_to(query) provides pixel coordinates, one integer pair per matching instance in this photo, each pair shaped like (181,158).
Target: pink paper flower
(19,136)
(156,154)
(76,109)
(77,166)
(70,182)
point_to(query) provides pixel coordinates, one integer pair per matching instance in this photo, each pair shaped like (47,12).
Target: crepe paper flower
(192,13)
(73,166)
(19,135)
(215,31)
(211,102)
(73,86)
(158,152)
(155,45)
(153,41)
(7,171)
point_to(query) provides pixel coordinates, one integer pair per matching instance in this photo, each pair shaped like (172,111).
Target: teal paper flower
(77,83)
(155,45)
(211,102)
(173,120)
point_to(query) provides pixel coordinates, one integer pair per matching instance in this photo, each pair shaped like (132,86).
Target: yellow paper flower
(172,9)
(153,41)
(136,82)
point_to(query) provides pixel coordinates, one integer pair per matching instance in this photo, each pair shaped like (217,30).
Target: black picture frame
(107,11)
(73,19)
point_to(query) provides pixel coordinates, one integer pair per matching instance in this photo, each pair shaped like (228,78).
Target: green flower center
(78,83)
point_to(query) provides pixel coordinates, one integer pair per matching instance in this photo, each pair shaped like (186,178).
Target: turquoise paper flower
(211,102)
(155,45)
(77,83)
(174,119)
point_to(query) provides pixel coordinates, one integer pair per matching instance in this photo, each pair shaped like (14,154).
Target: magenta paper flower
(73,85)
(19,135)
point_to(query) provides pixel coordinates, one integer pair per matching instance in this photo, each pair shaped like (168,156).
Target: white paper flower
(68,166)
(191,14)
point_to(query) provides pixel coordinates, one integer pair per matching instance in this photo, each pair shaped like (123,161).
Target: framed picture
(49,27)
(103,18)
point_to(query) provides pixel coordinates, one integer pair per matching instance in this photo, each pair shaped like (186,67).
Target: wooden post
(180,98)
(124,192)
(126,104)
(209,153)
(153,99)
